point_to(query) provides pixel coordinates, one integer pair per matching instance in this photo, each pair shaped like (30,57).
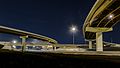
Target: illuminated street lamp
(14,41)
(13,46)
(111,16)
(73,30)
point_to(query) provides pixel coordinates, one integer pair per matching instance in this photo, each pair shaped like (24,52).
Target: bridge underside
(107,18)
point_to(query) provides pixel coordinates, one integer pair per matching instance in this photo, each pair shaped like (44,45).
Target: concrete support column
(54,47)
(23,42)
(10,44)
(64,47)
(90,44)
(99,41)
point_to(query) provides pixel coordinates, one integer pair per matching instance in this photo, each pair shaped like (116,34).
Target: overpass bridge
(101,18)
(44,47)
(24,34)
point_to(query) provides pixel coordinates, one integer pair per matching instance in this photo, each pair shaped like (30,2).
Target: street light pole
(73,37)
(73,30)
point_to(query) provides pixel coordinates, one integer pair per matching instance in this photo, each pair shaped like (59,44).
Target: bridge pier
(90,44)
(99,41)
(23,42)
(54,47)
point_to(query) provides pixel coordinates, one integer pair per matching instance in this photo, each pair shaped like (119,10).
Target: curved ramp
(18,32)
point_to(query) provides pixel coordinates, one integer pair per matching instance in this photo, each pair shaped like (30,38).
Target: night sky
(52,18)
